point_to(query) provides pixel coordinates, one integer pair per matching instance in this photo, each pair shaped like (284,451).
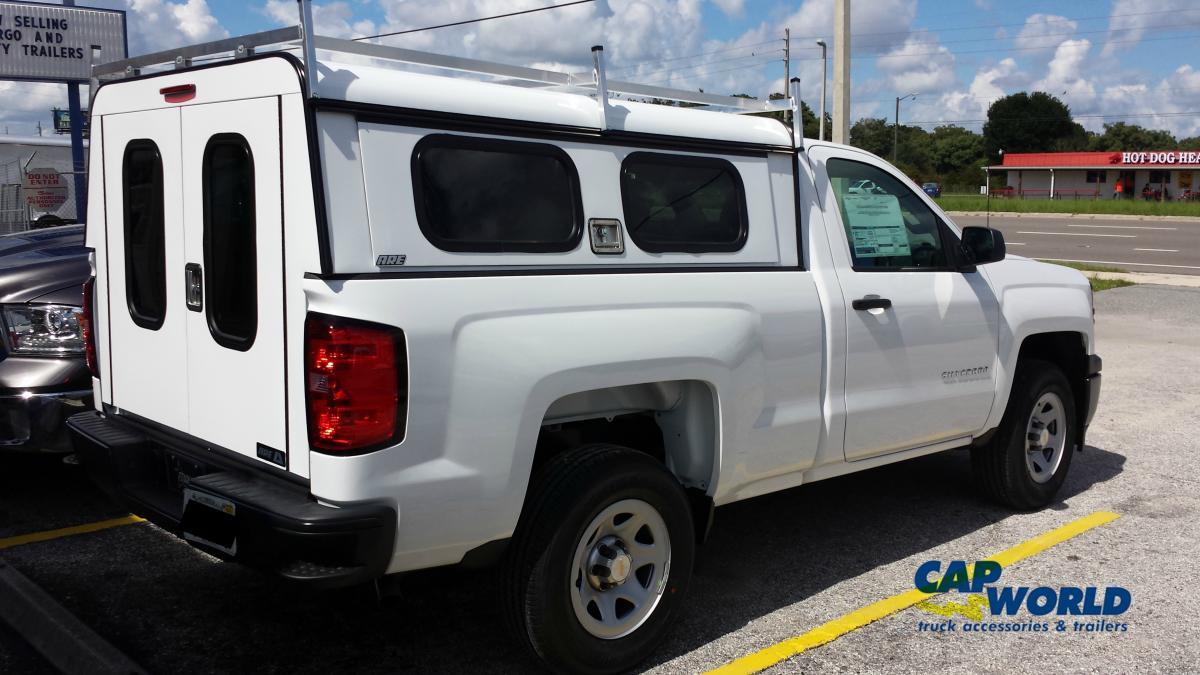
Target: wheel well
(1068,351)
(673,422)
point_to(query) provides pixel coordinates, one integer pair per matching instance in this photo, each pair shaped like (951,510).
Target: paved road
(775,567)
(1143,245)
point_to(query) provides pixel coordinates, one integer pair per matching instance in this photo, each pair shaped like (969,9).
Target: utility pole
(787,59)
(824,79)
(841,71)
(77,163)
(896,127)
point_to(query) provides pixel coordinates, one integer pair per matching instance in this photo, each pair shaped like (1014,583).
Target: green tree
(1192,143)
(877,135)
(873,134)
(1129,137)
(1026,122)
(952,147)
(956,156)
(1076,140)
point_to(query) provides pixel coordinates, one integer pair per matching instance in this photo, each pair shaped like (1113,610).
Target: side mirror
(982,245)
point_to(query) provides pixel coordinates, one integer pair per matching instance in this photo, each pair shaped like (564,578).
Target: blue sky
(1136,62)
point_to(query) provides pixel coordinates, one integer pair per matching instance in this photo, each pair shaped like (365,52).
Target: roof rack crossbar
(295,36)
(550,78)
(443,61)
(168,57)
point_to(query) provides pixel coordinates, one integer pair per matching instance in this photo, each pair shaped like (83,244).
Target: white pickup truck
(350,320)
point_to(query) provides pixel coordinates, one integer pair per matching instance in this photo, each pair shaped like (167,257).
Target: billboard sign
(54,43)
(62,121)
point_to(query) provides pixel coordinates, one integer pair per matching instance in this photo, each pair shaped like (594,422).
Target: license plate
(209,520)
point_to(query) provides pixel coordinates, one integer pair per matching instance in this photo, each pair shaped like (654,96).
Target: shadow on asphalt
(173,609)
(38,492)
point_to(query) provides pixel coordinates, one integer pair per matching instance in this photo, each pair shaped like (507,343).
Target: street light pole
(896,128)
(824,77)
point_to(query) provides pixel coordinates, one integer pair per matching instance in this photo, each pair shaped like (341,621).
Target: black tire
(1000,465)
(567,495)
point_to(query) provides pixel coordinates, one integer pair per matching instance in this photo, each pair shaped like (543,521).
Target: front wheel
(1026,462)
(600,559)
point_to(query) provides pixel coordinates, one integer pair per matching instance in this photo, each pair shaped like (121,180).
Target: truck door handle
(193,284)
(871,302)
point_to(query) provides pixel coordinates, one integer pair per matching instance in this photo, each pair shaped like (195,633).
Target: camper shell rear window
(477,194)
(144,231)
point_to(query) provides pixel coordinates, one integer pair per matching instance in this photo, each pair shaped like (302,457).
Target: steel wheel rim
(632,529)
(1045,437)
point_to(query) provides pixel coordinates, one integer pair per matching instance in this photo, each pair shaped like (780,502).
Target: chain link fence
(16,215)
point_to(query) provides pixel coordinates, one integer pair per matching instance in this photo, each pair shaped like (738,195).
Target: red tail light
(87,326)
(356,384)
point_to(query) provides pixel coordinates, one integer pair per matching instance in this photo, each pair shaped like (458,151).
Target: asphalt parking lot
(776,567)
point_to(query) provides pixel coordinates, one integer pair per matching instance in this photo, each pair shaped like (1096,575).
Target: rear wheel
(600,559)
(1026,462)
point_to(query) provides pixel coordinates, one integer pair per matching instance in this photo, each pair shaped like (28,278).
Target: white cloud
(1170,98)
(333,19)
(631,30)
(1067,75)
(156,25)
(731,8)
(27,103)
(1127,27)
(1044,32)
(989,84)
(920,65)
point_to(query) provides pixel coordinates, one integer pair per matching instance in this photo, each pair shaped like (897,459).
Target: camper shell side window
(477,194)
(683,203)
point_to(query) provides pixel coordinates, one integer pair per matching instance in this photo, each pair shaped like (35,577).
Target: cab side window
(888,227)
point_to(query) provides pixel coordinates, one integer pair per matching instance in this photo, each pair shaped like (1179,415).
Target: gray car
(43,374)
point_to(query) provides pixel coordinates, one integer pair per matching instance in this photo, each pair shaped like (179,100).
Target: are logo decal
(391,260)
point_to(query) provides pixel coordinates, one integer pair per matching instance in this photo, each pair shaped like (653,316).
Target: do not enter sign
(44,189)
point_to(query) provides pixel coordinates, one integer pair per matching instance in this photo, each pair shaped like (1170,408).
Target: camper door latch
(194,285)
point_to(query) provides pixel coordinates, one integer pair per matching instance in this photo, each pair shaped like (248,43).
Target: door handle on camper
(193,284)
(871,302)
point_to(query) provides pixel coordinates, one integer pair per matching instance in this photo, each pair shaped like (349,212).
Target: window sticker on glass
(876,225)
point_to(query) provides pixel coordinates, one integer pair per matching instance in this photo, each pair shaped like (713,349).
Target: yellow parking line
(47,535)
(828,632)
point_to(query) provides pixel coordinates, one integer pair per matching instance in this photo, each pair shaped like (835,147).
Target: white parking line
(1014,243)
(1124,227)
(1111,262)
(1084,234)
(1159,250)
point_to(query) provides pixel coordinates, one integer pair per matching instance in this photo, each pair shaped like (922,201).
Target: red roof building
(1149,174)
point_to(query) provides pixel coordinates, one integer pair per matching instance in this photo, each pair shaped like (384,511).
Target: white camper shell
(359,310)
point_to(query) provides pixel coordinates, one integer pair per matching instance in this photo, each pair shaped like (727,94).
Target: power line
(999,50)
(771,59)
(468,21)
(1009,25)
(1063,35)
(713,72)
(1190,113)
(698,55)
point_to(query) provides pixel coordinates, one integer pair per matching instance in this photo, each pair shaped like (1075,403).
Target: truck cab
(351,319)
